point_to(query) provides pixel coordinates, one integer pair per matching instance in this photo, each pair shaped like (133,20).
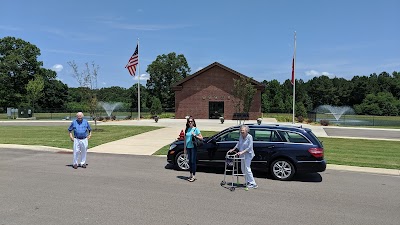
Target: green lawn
(57,136)
(367,153)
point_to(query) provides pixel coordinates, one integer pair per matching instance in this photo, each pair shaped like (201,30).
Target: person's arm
(90,131)
(234,148)
(70,129)
(198,134)
(184,142)
(71,136)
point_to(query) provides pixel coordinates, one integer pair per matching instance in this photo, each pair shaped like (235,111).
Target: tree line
(25,83)
(368,95)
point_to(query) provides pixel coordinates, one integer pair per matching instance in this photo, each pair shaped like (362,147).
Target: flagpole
(293,77)
(138,81)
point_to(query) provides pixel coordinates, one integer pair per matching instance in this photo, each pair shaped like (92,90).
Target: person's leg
(249,173)
(189,152)
(194,158)
(84,147)
(243,169)
(75,154)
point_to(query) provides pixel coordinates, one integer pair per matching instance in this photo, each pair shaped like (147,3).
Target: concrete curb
(34,148)
(364,138)
(364,169)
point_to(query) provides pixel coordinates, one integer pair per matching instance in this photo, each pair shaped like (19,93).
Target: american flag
(133,61)
(292,81)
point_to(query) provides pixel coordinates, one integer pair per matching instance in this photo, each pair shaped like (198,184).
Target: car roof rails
(284,125)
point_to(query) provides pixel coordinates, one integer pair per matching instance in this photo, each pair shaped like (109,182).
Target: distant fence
(359,120)
(67,114)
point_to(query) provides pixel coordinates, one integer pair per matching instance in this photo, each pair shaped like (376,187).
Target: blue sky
(336,38)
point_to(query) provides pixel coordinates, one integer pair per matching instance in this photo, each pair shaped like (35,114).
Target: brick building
(208,94)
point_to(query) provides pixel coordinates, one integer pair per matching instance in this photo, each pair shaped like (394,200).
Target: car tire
(282,169)
(181,161)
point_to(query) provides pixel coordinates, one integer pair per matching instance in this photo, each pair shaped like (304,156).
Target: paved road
(364,133)
(41,188)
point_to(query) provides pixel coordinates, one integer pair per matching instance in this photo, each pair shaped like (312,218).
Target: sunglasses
(190,121)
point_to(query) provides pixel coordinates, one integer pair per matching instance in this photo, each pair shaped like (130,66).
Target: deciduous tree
(165,71)
(18,64)
(34,90)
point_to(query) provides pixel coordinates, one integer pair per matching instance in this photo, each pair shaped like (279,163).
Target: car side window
(230,136)
(275,137)
(293,137)
(262,135)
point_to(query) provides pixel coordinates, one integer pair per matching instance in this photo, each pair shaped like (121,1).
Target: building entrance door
(215,110)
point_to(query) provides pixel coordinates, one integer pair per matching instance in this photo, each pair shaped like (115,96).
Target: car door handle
(271,146)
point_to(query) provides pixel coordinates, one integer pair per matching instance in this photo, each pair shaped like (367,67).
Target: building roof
(257,85)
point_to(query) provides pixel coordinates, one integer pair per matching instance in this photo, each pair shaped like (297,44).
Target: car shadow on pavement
(309,177)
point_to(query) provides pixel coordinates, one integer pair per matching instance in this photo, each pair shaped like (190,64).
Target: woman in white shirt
(245,147)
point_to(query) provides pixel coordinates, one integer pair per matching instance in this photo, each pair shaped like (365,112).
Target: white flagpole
(294,77)
(138,80)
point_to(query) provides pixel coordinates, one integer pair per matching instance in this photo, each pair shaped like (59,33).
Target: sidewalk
(149,142)
(142,144)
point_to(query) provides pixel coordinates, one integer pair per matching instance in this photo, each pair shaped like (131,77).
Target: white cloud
(9,28)
(57,67)
(327,74)
(199,68)
(74,35)
(147,27)
(70,52)
(142,77)
(314,73)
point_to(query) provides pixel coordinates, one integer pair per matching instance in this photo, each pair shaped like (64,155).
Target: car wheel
(181,161)
(282,169)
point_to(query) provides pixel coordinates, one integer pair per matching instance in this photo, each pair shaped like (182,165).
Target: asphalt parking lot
(41,188)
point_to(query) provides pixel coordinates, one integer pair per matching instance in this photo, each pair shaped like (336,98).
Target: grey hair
(79,113)
(245,127)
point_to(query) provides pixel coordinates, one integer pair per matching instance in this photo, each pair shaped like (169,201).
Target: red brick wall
(215,84)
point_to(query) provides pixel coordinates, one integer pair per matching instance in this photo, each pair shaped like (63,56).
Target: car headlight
(172,146)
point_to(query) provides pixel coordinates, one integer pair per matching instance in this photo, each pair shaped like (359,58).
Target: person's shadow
(182,177)
(71,165)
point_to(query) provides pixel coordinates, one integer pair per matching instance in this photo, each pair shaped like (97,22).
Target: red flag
(133,61)
(292,81)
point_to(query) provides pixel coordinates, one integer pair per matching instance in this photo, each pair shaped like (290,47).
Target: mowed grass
(366,153)
(351,152)
(57,136)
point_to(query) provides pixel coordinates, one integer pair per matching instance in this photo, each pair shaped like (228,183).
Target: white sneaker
(253,186)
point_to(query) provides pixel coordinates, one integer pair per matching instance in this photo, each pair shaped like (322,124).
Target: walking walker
(232,167)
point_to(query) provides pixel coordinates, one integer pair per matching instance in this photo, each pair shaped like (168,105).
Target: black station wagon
(282,150)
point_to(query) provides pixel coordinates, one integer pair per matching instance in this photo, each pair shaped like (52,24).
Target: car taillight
(317,152)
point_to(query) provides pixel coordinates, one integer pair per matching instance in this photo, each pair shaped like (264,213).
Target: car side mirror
(214,141)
